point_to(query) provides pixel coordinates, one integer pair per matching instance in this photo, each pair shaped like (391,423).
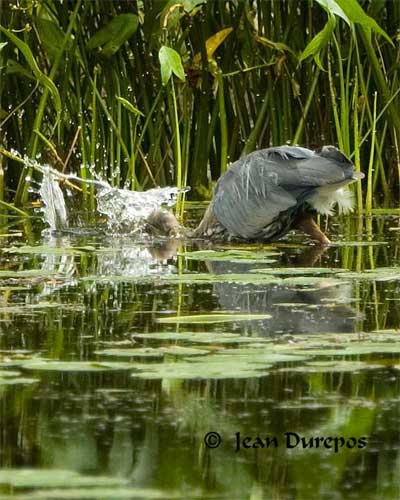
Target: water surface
(118,356)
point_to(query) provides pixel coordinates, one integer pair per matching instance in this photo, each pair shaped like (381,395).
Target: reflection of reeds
(252,79)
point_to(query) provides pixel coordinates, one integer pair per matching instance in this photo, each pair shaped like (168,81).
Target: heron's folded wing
(247,200)
(319,171)
(301,167)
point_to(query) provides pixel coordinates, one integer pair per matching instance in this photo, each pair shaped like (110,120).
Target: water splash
(52,201)
(123,208)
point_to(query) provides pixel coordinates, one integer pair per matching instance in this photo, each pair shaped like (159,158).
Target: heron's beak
(357,176)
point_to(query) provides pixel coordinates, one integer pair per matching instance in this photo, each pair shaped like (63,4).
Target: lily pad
(9,373)
(204,370)
(378,274)
(52,478)
(312,281)
(76,366)
(153,352)
(243,256)
(176,350)
(295,271)
(96,493)
(331,367)
(17,380)
(358,243)
(49,250)
(27,273)
(142,352)
(230,363)
(200,337)
(252,355)
(193,278)
(213,318)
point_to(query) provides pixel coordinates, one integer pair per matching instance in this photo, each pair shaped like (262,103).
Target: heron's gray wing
(319,171)
(302,167)
(249,197)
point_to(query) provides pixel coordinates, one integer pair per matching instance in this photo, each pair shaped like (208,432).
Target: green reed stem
(222,118)
(22,189)
(368,201)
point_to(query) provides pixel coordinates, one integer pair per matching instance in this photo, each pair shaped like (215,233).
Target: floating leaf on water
(358,243)
(229,363)
(294,271)
(95,493)
(176,350)
(53,478)
(49,250)
(200,337)
(214,318)
(204,370)
(153,352)
(243,256)
(339,348)
(329,367)
(254,356)
(247,278)
(17,380)
(76,366)
(372,348)
(17,361)
(143,352)
(390,331)
(378,274)
(27,273)
(312,281)
(9,373)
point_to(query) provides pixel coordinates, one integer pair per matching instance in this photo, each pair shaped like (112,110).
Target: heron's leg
(307,224)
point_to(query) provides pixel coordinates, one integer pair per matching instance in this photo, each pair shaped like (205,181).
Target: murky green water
(117,359)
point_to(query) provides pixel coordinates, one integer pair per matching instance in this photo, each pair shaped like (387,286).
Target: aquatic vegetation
(99,91)
(119,354)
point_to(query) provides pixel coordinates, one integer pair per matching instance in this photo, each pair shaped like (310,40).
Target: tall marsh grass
(151,93)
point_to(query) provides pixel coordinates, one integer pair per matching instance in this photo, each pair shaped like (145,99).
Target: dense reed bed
(148,93)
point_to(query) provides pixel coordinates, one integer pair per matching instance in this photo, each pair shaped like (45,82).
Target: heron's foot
(308,225)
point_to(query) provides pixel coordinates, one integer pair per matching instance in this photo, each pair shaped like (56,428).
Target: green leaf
(41,77)
(129,106)
(51,478)
(200,337)
(52,37)
(153,352)
(76,366)
(356,14)
(114,34)
(282,47)
(319,42)
(170,62)
(333,8)
(13,67)
(2,45)
(213,318)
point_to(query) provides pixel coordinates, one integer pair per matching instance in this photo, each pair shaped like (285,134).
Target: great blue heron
(267,193)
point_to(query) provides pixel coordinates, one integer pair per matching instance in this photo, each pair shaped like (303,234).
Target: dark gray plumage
(264,194)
